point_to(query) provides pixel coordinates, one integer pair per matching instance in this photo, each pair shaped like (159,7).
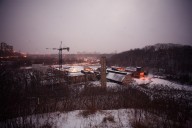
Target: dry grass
(86,113)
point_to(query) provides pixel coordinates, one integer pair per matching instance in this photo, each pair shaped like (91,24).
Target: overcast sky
(94,25)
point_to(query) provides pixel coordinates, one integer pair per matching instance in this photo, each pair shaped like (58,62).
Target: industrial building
(119,77)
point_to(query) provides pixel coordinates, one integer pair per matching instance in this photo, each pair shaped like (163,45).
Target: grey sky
(94,25)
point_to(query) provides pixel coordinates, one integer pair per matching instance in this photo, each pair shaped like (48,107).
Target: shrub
(108,118)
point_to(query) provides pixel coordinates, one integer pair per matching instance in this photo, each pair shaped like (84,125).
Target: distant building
(87,69)
(6,47)
(119,77)
(130,69)
(117,68)
(79,77)
(40,67)
(136,71)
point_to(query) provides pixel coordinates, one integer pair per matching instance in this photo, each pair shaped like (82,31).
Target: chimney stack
(103,71)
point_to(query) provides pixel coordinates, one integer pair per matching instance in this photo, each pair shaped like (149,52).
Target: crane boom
(60,49)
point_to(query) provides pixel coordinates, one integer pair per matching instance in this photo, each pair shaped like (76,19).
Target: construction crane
(60,49)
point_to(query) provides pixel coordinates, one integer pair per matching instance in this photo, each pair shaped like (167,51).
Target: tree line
(171,59)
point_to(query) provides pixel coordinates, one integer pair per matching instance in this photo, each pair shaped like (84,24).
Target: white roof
(115,76)
(119,72)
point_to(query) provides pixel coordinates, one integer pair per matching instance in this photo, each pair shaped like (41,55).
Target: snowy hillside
(75,119)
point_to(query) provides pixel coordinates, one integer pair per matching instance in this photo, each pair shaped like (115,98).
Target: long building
(119,77)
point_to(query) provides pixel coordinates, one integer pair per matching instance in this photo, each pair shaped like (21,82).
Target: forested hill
(172,58)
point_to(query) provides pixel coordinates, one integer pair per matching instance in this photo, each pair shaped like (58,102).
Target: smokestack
(103,71)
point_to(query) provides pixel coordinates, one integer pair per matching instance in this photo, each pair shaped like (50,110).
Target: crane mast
(60,49)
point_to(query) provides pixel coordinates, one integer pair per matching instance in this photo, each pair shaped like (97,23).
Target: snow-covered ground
(169,84)
(109,84)
(153,82)
(74,119)
(76,68)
